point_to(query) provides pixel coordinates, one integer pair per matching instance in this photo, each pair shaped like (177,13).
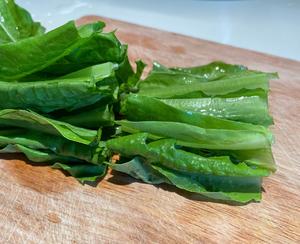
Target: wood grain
(41,205)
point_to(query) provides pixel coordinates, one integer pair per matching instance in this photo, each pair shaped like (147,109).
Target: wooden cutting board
(41,205)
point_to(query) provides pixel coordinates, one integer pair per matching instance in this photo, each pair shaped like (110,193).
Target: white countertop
(270,26)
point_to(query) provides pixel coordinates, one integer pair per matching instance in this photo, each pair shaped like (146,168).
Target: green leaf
(258,158)
(211,88)
(91,118)
(78,169)
(61,146)
(174,83)
(197,137)
(21,137)
(33,155)
(76,90)
(164,152)
(83,172)
(250,109)
(91,28)
(31,120)
(131,84)
(16,23)
(262,158)
(142,108)
(95,49)
(36,53)
(92,73)
(130,145)
(138,168)
(51,144)
(230,188)
(211,71)
(233,189)
(125,70)
(140,66)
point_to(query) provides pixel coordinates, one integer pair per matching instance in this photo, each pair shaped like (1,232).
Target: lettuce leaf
(228,187)
(164,152)
(34,155)
(212,71)
(232,189)
(142,108)
(83,172)
(95,49)
(35,53)
(76,90)
(16,23)
(91,117)
(215,79)
(249,109)
(197,137)
(33,121)
(53,145)
(138,168)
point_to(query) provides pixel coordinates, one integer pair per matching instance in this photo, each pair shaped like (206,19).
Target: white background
(270,26)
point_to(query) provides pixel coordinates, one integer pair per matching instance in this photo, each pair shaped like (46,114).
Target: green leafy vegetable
(16,23)
(94,49)
(262,158)
(91,28)
(187,175)
(141,108)
(32,154)
(34,121)
(139,169)
(165,153)
(233,189)
(197,137)
(76,90)
(83,172)
(177,159)
(91,118)
(130,145)
(205,89)
(19,136)
(211,71)
(132,84)
(202,129)
(51,144)
(175,83)
(36,53)
(250,109)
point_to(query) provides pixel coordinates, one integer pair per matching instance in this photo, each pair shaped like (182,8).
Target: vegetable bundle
(70,98)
